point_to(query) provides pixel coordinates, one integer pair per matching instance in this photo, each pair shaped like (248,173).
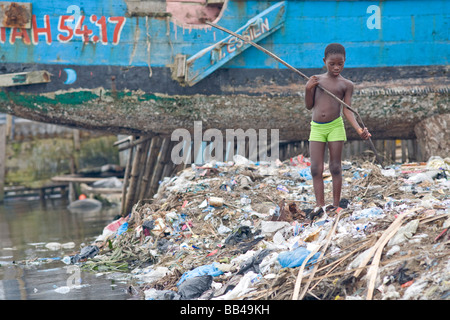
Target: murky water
(31,271)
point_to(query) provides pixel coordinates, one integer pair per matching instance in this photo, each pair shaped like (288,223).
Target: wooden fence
(149,160)
(391,151)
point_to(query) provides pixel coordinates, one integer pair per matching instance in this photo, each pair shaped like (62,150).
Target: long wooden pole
(134,178)
(159,166)
(148,168)
(373,269)
(126,177)
(302,75)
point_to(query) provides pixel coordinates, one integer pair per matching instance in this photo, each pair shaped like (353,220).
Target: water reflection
(29,270)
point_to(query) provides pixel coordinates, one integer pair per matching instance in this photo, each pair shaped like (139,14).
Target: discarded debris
(244,230)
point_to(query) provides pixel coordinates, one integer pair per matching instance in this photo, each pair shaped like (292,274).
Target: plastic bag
(295,258)
(122,228)
(148,226)
(240,234)
(153,294)
(404,233)
(436,162)
(209,269)
(194,287)
(305,173)
(85,253)
(244,286)
(269,228)
(152,274)
(252,264)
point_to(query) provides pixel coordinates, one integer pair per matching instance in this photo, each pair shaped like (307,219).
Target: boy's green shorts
(329,131)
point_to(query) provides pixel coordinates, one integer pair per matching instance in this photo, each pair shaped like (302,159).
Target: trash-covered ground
(241,230)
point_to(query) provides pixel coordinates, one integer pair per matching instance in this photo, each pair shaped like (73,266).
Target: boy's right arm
(310,89)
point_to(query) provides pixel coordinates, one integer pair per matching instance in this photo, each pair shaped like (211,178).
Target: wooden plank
(142,163)
(149,166)
(373,269)
(404,150)
(76,179)
(15,14)
(381,242)
(411,151)
(89,190)
(125,180)
(157,172)
(24,78)
(208,60)
(131,143)
(134,176)
(22,191)
(9,127)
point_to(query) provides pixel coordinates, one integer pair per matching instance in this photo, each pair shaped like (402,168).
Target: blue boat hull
(114,67)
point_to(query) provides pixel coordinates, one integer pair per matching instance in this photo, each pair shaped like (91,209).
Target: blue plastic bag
(122,228)
(209,269)
(305,173)
(295,258)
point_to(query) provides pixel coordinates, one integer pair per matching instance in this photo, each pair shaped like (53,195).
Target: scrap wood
(336,263)
(300,273)
(429,219)
(394,225)
(328,240)
(373,270)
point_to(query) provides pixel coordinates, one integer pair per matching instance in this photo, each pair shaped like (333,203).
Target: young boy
(327,125)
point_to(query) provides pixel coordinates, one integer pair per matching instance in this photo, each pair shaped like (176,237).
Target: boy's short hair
(333,48)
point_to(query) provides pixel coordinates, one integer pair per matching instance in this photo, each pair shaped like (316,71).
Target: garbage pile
(244,230)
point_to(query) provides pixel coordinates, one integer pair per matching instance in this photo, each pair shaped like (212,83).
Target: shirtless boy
(327,125)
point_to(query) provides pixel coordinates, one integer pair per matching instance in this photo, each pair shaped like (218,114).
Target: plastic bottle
(66,260)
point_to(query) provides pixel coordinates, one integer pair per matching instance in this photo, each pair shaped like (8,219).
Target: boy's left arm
(363,133)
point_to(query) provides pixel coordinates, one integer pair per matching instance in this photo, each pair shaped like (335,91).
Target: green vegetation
(33,163)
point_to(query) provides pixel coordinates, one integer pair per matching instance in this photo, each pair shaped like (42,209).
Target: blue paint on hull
(412,33)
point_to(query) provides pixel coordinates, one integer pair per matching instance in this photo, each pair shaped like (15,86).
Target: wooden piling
(155,144)
(379,145)
(126,179)
(404,150)
(142,166)
(412,151)
(134,178)
(157,172)
(393,150)
(2,161)
(9,127)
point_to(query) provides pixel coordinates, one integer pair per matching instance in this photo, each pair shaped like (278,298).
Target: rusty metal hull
(391,109)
